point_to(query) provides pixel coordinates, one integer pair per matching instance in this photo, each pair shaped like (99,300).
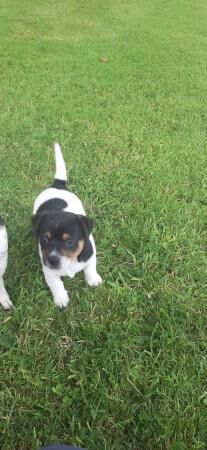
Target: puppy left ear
(36,222)
(86,224)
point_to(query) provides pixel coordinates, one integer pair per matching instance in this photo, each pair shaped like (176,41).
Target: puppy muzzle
(52,261)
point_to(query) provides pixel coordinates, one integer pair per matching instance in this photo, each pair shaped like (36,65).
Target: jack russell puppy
(4,296)
(63,233)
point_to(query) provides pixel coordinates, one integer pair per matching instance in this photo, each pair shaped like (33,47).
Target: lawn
(122,86)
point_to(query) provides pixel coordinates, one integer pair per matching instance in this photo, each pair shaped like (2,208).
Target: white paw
(62,300)
(94,280)
(5,302)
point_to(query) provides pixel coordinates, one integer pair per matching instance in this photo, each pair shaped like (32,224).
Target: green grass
(125,366)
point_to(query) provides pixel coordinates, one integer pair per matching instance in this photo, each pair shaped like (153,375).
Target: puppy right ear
(86,224)
(36,220)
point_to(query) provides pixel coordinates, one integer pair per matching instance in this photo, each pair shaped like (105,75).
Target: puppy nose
(53,260)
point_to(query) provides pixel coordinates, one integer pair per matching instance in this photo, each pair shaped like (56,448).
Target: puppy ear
(86,224)
(36,220)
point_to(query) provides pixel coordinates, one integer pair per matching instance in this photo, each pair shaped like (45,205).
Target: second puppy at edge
(63,232)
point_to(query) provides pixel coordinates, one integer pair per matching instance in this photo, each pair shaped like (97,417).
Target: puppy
(4,296)
(63,233)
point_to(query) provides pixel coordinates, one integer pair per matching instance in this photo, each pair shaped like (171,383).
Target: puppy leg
(92,278)
(60,295)
(4,296)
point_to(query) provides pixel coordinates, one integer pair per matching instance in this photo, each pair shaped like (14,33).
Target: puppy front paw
(5,302)
(94,280)
(62,300)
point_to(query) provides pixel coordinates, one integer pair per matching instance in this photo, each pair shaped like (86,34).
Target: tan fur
(65,236)
(76,253)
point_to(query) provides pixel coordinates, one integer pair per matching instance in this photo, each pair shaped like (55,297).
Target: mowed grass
(122,86)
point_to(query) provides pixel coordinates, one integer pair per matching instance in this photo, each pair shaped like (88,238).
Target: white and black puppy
(4,296)
(63,232)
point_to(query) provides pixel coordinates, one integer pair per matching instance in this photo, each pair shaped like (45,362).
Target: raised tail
(60,179)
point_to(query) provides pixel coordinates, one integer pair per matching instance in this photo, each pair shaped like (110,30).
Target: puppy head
(60,234)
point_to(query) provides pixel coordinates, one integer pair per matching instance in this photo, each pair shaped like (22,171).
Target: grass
(125,366)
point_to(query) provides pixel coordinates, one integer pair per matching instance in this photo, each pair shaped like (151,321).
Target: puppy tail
(60,179)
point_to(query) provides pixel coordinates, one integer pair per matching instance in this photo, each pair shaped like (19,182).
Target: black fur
(54,204)
(1,221)
(59,184)
(86,224)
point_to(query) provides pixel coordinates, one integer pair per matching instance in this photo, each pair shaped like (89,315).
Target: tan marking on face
(48,234)
(76,253)
(65,236)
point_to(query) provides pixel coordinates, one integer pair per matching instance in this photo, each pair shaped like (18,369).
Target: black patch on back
(55,204)
(87,251)
(59,184)
(1,221)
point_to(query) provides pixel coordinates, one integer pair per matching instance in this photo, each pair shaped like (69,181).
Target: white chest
(70,267)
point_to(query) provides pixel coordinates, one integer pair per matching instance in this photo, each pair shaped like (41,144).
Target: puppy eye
(69,242)
(45,239)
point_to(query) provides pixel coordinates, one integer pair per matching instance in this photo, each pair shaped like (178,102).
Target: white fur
(68,267)
(60,164)
(4,297)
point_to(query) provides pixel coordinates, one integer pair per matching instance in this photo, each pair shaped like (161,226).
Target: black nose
(53,260)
